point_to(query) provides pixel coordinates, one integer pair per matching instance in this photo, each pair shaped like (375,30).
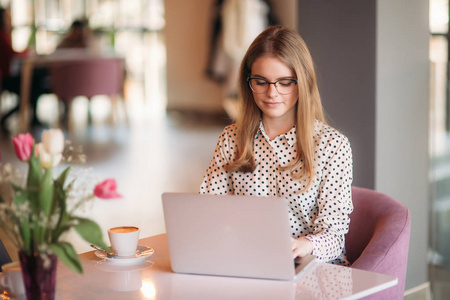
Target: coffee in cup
(11,278)
(124,240)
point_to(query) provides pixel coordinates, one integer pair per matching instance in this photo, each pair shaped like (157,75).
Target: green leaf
(26,235)
(67,254)
(16,187)
(61,180)
(90,232)
(35,177)
(20,197)
(62,227)
(43,205)
(60,194)
(64,220)
(35,170)
(46,193)
(59,200)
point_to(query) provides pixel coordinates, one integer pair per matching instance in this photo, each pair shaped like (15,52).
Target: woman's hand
(301,247)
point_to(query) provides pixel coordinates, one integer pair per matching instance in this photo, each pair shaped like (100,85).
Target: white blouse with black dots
(321,212)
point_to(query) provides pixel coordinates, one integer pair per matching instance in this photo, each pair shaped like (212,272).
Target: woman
(281,146)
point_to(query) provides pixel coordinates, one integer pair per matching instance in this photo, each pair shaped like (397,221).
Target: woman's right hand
(301,247)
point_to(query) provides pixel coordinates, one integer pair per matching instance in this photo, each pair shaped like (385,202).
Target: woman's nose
(272,90)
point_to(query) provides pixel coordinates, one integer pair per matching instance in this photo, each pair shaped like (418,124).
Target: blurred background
(381,65)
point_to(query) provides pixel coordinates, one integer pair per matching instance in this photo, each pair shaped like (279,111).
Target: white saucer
(142,253)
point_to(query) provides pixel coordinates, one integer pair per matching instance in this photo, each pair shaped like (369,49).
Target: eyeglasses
(283,86)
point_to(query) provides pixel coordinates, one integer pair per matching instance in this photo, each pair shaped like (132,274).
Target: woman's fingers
(301,247)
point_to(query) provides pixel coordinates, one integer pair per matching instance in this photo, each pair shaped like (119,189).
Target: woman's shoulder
(230,130)
(327,135)
(231,127)
(228,135)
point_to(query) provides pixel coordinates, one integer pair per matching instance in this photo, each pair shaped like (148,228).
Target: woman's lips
(272,104)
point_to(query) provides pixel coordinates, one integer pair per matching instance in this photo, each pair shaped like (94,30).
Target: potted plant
(37,211)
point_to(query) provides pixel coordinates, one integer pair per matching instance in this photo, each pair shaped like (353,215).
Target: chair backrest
(88,77)
(378,237)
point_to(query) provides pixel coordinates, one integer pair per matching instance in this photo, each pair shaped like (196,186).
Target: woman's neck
(276,127)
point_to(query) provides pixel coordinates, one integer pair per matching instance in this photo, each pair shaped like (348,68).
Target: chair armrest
(377,256)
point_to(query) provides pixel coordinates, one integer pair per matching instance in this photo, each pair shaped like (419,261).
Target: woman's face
(274,106)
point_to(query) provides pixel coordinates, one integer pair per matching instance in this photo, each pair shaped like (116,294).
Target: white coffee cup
(11,278)
(124,240)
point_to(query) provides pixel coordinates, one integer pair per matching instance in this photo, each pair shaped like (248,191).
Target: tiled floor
(156,153)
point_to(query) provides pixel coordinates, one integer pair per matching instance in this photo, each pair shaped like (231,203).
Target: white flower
(48,160)
(53,141)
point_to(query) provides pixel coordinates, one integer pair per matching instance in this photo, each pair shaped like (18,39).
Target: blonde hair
(286,45)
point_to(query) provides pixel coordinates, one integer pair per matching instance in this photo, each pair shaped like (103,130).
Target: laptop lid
(228,235)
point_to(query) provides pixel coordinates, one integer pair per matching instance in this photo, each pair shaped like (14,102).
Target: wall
(402,108)
(187,34)
(372,60)
(341,39)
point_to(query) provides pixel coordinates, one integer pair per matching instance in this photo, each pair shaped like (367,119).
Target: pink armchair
(89,77)
(378,238)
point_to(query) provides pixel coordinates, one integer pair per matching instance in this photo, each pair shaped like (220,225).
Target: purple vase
(39,275)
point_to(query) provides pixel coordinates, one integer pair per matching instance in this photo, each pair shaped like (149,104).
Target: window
(132,28)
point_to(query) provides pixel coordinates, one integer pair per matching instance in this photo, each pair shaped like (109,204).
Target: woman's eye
(285,82)
(261,82)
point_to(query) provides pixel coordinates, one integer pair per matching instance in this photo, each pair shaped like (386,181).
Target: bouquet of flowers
(37,212)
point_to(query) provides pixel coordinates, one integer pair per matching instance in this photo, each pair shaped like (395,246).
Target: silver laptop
(243,236)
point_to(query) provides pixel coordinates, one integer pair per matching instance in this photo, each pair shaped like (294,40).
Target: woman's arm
(334,202)
(217,180)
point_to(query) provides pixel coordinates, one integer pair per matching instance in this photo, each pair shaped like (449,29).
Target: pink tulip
(23,145)
(107,189)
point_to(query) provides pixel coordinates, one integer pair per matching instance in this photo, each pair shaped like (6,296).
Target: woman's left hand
(301,247)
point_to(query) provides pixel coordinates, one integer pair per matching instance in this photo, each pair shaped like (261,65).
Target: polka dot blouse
(319,213)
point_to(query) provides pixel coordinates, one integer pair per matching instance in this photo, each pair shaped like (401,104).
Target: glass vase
(39,275)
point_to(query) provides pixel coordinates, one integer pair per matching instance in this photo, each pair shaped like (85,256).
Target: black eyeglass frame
(269,83)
